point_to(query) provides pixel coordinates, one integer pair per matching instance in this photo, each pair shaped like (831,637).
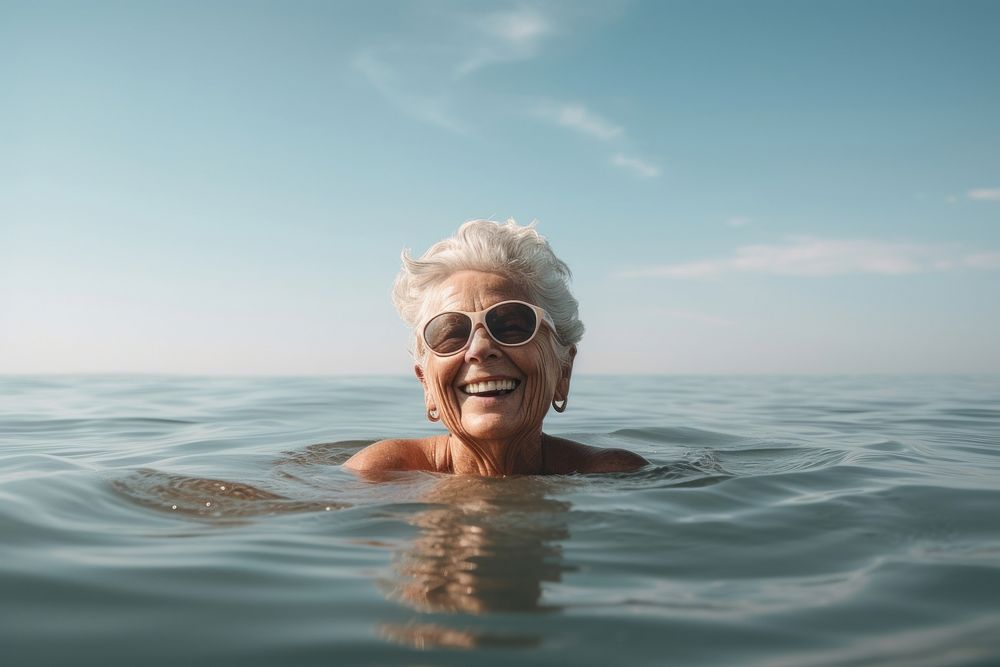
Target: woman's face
(534,367)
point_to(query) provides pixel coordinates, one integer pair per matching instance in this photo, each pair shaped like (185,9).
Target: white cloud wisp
(580,119)
(817,257)
(433,109)
(423,72)
(984,194)
(427,72)
(635,165)
(507,36)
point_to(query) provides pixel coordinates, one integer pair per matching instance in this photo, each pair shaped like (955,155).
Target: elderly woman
(495,330)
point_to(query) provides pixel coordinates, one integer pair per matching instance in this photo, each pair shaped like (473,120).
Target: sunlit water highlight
(783,521)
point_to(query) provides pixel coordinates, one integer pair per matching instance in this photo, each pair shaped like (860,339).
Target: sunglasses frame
(479,317)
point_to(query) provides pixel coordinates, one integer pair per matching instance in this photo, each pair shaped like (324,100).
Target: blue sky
(739,187)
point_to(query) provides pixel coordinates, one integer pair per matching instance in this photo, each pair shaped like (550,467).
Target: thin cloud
(423,72)
(738,221)
(433,109)
(817,257)
(580,119)
(635,165)
(583,121)
(984,194)
(983,260)
(506,36)
(519,27)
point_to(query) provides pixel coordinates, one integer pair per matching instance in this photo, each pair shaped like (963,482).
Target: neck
(497,458)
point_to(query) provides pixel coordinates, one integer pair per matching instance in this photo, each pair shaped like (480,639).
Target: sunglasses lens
(511,323)
(447,333)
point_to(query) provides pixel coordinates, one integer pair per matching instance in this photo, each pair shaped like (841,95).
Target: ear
(562,386)
(419,372)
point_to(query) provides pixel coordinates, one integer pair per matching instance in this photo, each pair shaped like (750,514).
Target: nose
(482,346)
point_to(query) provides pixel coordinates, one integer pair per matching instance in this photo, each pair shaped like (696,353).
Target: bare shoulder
(566,456)
(394,454)
(616,460)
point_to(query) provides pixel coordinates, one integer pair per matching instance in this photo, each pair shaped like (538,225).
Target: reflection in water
(213,499)
(487,545)
(483,545)
(429,635)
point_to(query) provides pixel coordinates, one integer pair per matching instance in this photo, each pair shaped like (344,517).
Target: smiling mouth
(491,388)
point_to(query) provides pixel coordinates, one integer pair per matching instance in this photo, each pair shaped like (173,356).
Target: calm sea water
(783,521)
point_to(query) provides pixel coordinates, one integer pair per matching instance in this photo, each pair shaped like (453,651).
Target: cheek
(439,377)
(545,371)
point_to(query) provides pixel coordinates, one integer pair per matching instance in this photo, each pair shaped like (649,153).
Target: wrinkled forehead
(472,291)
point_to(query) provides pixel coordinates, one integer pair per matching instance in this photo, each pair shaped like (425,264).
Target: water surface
(782,521)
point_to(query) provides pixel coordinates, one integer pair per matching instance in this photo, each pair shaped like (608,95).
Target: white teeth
(491,385)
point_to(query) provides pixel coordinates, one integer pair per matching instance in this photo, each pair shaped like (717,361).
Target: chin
(490,427)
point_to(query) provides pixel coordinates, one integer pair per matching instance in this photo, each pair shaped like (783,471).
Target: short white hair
(513,251)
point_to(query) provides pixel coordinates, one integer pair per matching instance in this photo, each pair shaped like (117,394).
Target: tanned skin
(562,457)
(492,433)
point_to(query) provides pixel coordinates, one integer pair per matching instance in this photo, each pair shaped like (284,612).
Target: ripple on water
(781,521)
(210,498)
